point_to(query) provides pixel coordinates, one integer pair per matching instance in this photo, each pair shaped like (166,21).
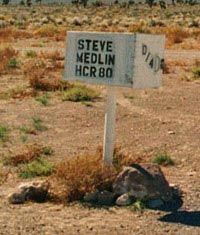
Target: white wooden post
(109,127)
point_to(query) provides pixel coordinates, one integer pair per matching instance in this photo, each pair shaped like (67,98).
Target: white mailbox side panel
(149,54)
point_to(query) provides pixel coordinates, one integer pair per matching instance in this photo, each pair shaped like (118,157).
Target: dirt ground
(148,122)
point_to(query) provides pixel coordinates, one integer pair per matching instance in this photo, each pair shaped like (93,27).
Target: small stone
(33,191)
(124,200)
(171,132)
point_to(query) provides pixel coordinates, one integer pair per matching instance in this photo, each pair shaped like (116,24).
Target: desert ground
(33,110)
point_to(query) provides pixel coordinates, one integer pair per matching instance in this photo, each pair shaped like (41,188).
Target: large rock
(33,191)
(144,181)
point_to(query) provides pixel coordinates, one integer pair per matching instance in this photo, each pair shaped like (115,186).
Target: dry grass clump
(3,175)
(25,154)
(10,34)
(52,55)
(74,177)
(41,77)
(50,31)
(176,35)
(54,58)
(6,54)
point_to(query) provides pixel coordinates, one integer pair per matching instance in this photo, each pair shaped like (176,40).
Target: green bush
(138,205)
(196,71)
(31,54)
(38,167)
(3,133)
(13,63)
(44,100)
(80,93)
(163,159)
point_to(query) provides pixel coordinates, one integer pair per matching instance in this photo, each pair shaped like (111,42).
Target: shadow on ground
(191,218)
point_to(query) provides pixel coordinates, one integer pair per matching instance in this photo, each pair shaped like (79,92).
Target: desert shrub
(3,133)
(140,28)
(138,205)
(38,124)
(163,159)
(41,77)
(3,175)
(6,2)
(79,93)
(17,92)
(38,167)
(196,72)
(44,99)
(31,54)
(74,177)
(25,154)
(13,63)
(11,34)
(197,63)
(6,57)
(176,35)
(97,3)
(26,130)
(54,55)
(51,31)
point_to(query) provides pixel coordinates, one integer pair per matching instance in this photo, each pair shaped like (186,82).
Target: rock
(33,191)
(155,203)
(16,198)
(144,181)
(124,200)
(105,198)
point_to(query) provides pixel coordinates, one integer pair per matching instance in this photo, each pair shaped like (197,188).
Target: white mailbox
(116,59)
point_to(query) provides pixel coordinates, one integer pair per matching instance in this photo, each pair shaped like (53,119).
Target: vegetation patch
(3,175)
(38,124)
(7,56)
(13,63)
(38,167)
(138,205)
(18,92)
(163,159)
(80,93)
(43,100)
(41,76)
(196,72)
(3,133)
(74,177)
(26,154)
(31,54)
